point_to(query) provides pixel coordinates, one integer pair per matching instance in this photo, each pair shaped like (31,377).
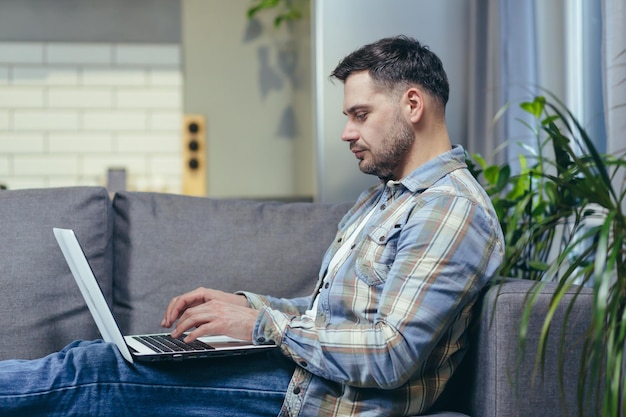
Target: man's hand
(210,312)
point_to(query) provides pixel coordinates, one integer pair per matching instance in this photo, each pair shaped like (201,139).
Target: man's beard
(391,152)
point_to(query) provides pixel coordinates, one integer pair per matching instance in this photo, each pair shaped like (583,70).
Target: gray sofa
(146,247)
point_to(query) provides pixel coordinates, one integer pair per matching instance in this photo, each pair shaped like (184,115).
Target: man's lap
(92,378)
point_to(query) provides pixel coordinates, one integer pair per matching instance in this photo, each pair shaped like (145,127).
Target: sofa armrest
(506,380)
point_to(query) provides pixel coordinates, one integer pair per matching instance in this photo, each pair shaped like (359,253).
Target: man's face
(377,133)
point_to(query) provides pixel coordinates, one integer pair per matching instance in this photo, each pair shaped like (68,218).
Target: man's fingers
(166,322)
(217,317)
(198,318)
(178,305)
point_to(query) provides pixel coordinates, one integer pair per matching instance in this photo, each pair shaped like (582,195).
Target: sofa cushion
(41,307)
(169,244)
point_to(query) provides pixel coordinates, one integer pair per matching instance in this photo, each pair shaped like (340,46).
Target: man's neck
(423,150)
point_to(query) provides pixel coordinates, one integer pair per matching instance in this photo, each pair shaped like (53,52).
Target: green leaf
(291,14)
(262,4)
(539,266)
(285,11)
(503,177)
(491,174)
(534,107)
(519,187)
(550,119)
(480,160)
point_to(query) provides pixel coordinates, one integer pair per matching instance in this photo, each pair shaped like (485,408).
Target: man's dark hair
(398,62)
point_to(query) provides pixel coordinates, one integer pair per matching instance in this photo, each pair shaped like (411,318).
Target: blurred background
(195,97)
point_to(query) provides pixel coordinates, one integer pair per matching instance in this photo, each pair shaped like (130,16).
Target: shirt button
(296,390)
(381,239)
(327,285)
(261,339)
(303,364)
(353,246)
(384,206)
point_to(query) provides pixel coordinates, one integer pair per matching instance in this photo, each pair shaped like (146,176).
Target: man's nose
(349,133)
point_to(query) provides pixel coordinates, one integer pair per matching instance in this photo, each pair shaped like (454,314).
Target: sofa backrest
(41,307)
(167,244)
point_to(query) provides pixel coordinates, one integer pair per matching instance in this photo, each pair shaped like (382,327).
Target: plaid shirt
(391,320)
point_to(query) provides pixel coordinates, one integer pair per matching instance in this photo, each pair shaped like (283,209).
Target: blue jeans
(92,379)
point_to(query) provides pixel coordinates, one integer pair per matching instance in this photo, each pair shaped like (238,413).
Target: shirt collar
(426,175)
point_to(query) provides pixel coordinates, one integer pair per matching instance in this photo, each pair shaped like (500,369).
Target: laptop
(148,347)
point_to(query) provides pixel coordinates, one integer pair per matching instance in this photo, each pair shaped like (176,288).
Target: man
(387,325)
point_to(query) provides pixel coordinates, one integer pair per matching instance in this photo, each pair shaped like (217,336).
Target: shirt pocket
(376,254)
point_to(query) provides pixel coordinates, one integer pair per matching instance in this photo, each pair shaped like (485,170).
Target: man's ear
(416,101)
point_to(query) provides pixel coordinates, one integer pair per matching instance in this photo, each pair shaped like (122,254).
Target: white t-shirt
(339,258)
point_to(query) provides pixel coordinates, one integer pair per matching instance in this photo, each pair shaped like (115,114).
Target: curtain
(503,73)
(503,68)
(518,73)
(614,70)
(484,75)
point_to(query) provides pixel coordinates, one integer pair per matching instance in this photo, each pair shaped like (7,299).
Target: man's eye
(360,116)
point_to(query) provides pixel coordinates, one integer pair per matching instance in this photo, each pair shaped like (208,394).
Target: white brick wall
(68,112)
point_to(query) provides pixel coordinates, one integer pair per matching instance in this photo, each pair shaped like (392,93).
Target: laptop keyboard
(167,343)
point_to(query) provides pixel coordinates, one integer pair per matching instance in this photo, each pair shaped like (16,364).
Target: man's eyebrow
(356,108)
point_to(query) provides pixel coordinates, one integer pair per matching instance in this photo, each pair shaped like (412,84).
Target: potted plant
(286,10)
(564,221)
